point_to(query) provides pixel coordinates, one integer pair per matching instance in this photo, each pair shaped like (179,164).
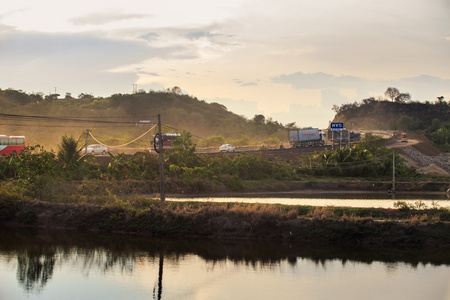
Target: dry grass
(322,213)
(416,219)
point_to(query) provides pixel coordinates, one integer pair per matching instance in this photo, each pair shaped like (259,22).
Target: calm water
(69,265)
(357,199)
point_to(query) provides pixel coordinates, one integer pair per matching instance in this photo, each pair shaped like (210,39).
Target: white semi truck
(307,138)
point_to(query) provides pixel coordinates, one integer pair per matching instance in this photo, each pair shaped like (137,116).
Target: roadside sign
(337,126)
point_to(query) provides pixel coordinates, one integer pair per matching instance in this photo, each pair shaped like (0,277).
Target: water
(357,199)
(70,265)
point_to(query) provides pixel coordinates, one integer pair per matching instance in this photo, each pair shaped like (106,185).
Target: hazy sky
(289,60)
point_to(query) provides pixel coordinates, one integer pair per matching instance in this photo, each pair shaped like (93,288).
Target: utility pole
(87,136)
(161,161)
(393,171)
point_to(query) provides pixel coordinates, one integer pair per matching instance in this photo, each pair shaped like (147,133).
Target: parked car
(96,149)
(227,148)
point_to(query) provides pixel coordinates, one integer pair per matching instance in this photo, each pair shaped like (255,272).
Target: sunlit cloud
(106,17)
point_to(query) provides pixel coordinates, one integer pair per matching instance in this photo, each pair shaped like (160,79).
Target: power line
(66,126)
(141,136)
(71,119)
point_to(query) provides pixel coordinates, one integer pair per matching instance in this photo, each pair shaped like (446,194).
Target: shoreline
(366,227)
(299,192)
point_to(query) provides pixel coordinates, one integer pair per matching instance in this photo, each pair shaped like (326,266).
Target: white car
(227,148)
(95,149)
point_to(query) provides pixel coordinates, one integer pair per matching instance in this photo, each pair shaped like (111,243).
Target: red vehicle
(11,144)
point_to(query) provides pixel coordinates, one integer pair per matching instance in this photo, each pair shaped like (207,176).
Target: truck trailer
(307,137)
(338,136)
(343,136)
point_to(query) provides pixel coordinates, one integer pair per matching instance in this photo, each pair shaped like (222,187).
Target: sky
(290,60)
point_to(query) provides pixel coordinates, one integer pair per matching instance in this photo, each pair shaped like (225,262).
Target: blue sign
(337,126)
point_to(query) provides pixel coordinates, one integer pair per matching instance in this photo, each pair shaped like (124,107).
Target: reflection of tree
(107,253)
(103,260)
(34,269)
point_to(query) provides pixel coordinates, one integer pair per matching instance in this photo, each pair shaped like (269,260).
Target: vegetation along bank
(69,191)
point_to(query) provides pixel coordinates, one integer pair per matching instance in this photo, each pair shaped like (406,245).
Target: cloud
(79,50)
(248,84)
(337,90)
(147,73)
(424,87)
(5,28)
(421,87)
(83,62)
(105,17)
(198,34)
(151,36)
(243,83)
(319,80)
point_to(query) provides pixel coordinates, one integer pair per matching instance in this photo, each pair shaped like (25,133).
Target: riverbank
(306,225)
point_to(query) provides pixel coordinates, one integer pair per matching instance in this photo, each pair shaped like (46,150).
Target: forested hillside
(113,120)
(373,114)
(370,114)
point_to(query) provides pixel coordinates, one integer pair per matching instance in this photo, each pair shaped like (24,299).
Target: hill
(372,114)
(115,120)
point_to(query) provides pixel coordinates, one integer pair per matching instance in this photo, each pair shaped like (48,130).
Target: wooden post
(393,171)
(161,161)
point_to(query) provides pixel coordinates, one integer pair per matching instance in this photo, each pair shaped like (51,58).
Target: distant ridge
(384,115)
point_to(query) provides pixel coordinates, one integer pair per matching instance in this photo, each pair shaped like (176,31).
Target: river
(55,264)
(355,199)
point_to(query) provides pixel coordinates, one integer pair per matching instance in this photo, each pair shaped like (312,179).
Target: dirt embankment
(421,154)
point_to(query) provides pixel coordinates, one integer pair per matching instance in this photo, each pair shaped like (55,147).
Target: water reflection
(39,253)
(35,268)
(321,198)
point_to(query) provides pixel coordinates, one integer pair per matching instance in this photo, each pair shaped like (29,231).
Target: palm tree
(69,151)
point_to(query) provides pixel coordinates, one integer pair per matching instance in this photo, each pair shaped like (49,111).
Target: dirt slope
(421,154)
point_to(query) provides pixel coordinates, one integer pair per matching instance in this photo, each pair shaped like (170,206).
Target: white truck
(307,138)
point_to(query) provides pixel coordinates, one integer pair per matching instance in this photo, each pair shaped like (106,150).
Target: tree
(176,90)
(372,143)
(86,96)
(51,97)
(37,96)
(69,151)
(259,119)
(404,123)
(391,93)
(440,101)
(367,101)
(435,124)
(183,151)
(403,97)
(291,125)
(336,108)
(441,136)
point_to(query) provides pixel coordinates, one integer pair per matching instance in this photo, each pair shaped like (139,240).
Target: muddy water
(68,265)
